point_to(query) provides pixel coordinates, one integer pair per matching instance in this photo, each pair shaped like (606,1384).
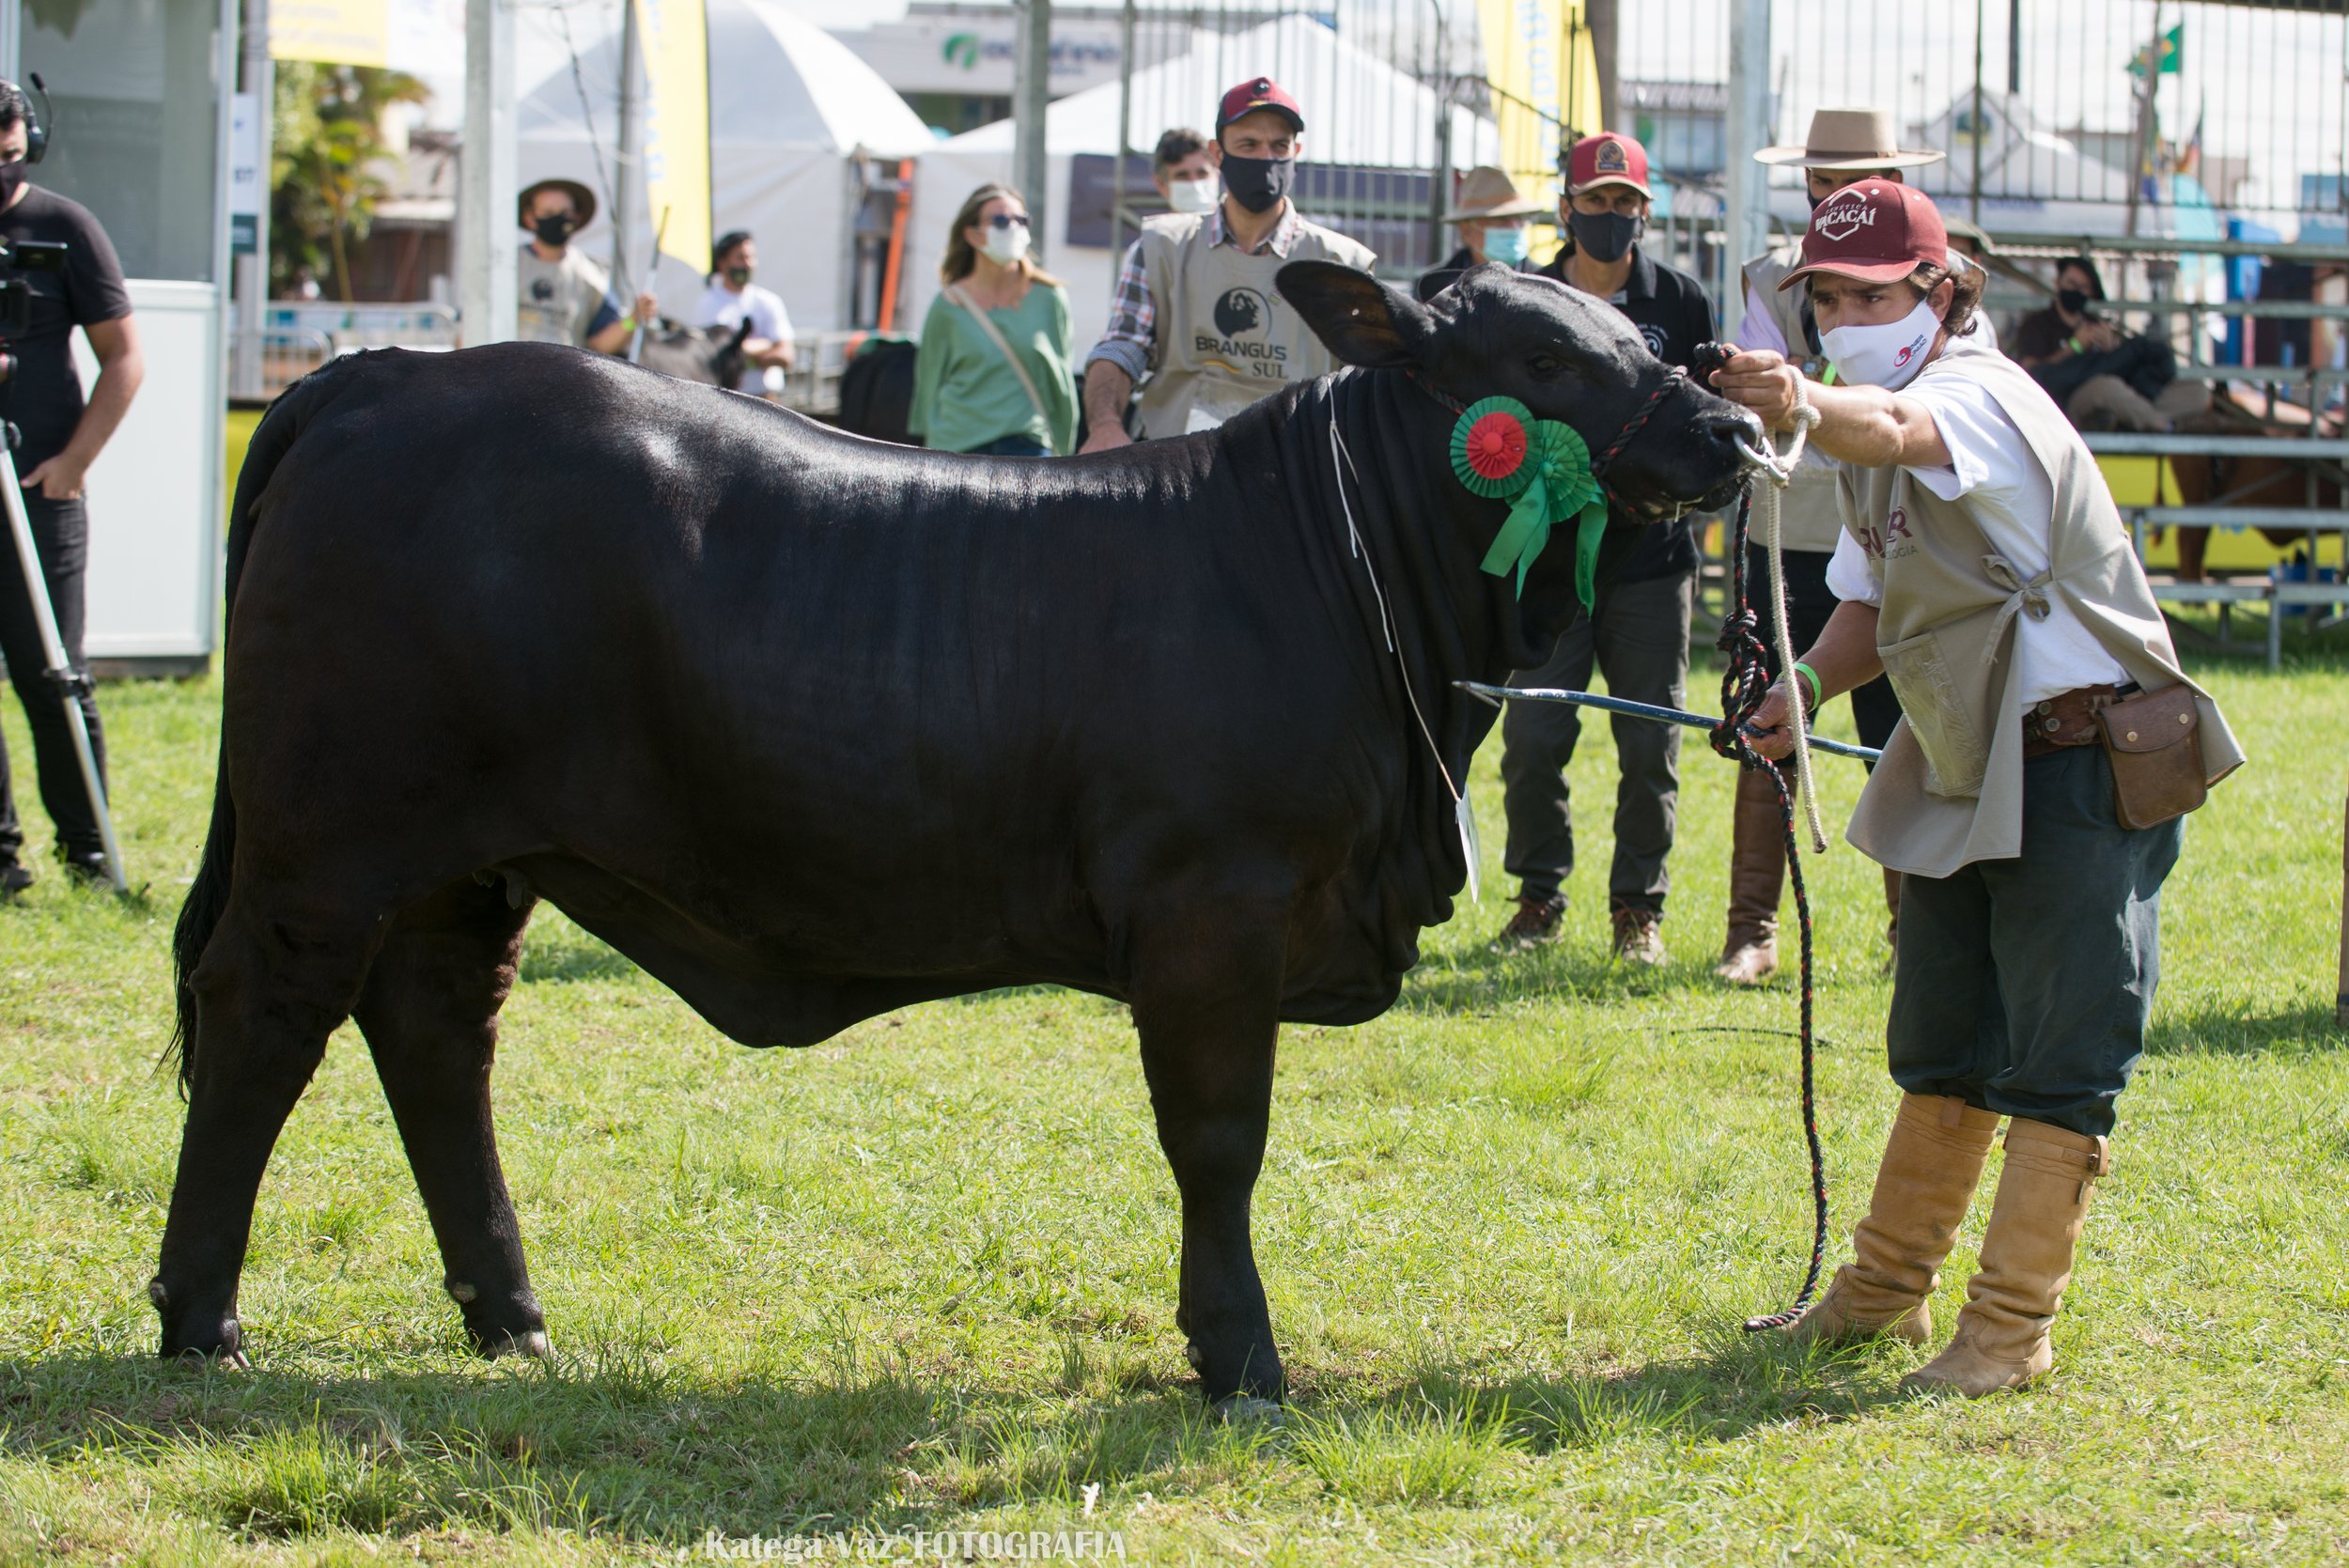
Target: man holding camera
(62,433)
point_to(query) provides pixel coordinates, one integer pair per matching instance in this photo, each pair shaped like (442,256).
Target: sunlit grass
(923,1276)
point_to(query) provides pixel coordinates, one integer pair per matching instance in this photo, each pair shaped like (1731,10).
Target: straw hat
(582,200)
(1848,139)
(1489,193)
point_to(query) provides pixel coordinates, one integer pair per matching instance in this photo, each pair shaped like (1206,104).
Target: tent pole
(626,174)
(1030,92)
(487,225)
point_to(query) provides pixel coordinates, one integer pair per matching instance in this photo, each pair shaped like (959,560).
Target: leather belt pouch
(2155,741)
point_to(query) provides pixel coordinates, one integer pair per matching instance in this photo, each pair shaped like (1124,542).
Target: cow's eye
(1544,366)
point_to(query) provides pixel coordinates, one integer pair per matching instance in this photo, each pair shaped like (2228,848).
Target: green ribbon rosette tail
(1542,468)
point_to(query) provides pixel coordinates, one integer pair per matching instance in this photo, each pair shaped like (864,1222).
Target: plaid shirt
(1130,343)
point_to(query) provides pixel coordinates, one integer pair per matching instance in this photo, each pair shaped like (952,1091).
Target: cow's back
(818,705)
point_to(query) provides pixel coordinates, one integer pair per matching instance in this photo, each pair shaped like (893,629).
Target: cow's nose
(1741,430)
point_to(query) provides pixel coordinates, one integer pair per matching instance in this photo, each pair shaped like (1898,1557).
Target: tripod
(69,683)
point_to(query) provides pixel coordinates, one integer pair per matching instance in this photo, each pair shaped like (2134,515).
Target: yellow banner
(674,36)
(333,32)
(1545,81)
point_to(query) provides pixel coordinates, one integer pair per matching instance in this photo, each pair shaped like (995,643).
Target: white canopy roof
(789,106)
(1357,108)
(775,80)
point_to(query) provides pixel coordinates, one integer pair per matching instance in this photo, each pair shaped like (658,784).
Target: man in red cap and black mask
(1637,633)
(1197,320)
(2031,796)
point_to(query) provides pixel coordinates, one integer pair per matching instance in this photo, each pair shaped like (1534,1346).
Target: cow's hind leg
(276,978)
(1206,988)
(429,1012)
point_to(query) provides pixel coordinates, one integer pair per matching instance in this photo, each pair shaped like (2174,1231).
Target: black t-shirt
(2039,335)
(1672,312)
(44,396)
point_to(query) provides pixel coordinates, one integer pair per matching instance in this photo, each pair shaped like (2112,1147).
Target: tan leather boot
(1757,877)
(1932,1162)
(2001,1339)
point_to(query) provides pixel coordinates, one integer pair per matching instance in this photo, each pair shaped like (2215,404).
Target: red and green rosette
(1490,444)
(1542,468)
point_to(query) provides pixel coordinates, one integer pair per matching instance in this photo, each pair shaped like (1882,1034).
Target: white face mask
(1887,356)
(1196,197)
(1005,245)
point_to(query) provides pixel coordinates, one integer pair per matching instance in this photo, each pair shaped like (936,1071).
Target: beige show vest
(1225,338)
(1950,789)
(1809,515)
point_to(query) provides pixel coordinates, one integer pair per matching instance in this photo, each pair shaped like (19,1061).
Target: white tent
(789,107)
(1359,111)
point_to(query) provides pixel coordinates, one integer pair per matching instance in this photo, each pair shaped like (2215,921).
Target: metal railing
(264,362)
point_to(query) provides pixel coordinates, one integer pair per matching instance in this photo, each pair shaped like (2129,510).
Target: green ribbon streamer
(1586,539)
(1561,485)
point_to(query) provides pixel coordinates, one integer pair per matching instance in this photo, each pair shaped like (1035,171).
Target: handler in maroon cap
(2031,795)
(1197,320)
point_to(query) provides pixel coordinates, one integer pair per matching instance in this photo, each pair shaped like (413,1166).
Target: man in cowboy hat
(1196,319)
(562,296)
(1636,634)
(1845,145)
(1490,215)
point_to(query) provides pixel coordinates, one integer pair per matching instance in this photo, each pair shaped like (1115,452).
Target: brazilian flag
(2172,49)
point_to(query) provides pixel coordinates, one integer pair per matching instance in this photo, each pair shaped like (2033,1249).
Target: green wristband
(1816,684)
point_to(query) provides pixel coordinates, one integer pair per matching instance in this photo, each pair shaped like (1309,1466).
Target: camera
(16,290)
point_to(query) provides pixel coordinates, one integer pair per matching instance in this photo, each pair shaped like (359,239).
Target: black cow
(813,728)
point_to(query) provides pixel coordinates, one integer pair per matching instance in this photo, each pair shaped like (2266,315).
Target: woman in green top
(992,375)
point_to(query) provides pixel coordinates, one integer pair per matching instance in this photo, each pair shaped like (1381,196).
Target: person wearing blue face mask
(1636,635)
(1490,215)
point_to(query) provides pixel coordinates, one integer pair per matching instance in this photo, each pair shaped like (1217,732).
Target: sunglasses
(1007,220)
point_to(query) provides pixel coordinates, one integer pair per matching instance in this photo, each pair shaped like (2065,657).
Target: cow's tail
(200,915)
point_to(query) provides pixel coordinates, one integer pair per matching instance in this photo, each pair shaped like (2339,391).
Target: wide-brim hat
(1486,192)
(582,200)
(1848,139)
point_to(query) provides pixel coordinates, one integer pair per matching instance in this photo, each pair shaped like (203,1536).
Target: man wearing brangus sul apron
(2030,797)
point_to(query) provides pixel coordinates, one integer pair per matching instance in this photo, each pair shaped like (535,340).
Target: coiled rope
(1744,685)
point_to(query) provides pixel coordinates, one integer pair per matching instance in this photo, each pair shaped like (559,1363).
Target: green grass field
(923,1276)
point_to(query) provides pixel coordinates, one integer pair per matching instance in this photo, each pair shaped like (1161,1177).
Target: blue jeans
(1012,446)
(2023,986)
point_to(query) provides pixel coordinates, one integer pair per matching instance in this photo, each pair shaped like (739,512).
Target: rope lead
(1744,684)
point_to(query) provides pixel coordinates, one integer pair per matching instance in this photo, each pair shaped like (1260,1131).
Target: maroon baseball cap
(1876,231)
(1261,93)
(1606,159)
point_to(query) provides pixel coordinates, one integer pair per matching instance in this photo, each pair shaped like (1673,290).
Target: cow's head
(710,355)
(1562,353)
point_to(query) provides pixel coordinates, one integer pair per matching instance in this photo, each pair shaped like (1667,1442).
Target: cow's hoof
(531,1342)
(197,1337)
(1248,1410)
(226,1357)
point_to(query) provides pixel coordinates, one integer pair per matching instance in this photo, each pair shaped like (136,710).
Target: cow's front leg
(1207,990)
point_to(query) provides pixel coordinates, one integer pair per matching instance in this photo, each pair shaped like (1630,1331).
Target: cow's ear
(1361,320)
